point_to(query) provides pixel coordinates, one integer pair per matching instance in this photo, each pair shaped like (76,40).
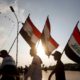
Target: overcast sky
(63,16)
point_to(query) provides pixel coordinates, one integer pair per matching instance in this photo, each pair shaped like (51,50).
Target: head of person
(33,51)
(57,55)
(3,53)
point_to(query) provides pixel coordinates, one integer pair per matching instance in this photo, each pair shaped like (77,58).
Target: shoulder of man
(8,61)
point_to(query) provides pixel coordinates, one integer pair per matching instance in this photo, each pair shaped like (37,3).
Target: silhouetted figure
(26,69)
(59,68)
(34,71)
(8,67)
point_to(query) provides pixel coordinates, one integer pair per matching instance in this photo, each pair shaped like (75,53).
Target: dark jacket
(59,71)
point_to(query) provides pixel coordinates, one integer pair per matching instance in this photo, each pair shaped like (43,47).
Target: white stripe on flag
(74,46)
(34,38)
(51,47)
(27,27)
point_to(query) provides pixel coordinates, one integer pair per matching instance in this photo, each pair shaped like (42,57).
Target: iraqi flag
(72,49)
(48,42)
(30,33)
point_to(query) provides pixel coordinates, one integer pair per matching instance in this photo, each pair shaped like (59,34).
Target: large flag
(72,49)
(30,33)
(47,41)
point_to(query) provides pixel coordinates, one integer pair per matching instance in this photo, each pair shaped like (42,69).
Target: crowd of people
(9,71)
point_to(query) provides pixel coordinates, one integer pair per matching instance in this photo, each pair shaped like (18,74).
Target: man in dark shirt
(59,68)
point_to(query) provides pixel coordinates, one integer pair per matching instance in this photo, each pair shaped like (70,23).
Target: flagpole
(12,44)
(69,37)
(17,34)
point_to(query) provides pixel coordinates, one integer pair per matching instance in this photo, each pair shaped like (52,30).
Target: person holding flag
(59,68)
(31,35)
(34,72)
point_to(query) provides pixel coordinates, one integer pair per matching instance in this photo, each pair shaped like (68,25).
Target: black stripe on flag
(71,54)
(26,37)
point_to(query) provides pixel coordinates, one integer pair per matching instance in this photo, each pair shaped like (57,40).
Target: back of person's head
(57,55)
(3,53)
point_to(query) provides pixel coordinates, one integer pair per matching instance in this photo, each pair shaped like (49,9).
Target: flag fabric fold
(72,49)
(30,33)
(48,42)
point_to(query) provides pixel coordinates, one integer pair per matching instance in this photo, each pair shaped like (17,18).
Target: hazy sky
(63,16)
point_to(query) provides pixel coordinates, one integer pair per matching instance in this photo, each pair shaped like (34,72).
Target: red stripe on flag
(76,34)
(35,30)
(53,42)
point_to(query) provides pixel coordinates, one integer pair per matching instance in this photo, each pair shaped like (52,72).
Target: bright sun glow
(40,50)
(41,53)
